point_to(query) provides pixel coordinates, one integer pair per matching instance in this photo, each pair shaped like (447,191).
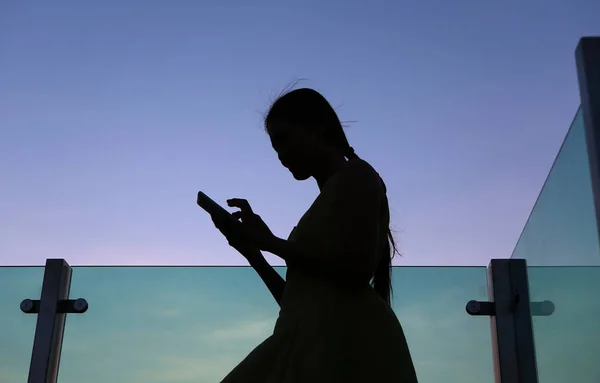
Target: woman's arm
(274,282)
(271,278)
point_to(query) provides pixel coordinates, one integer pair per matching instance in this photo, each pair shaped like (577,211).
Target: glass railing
(17,329)
(194,324)
(562,229)
(567,343)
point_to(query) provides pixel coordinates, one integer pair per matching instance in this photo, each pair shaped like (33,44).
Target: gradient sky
(114,114)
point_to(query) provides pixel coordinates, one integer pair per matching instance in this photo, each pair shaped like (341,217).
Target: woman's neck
(327,169)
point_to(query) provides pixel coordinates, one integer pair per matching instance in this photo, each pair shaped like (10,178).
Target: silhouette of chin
(300,176)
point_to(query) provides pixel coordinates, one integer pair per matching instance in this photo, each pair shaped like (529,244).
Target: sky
(114,114)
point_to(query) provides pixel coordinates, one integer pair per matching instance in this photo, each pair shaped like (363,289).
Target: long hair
(308,108)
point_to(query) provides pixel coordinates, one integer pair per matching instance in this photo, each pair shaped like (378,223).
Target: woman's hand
(254,231)
(236,239)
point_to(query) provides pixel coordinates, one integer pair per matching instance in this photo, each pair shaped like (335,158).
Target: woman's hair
(308,108)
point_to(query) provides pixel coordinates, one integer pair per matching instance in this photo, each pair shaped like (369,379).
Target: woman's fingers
(233,234)
(224,225)
(241,203)
(218,223)
(243,215)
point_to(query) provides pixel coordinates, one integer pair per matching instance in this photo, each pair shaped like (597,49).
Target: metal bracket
(479,308)
(65,306)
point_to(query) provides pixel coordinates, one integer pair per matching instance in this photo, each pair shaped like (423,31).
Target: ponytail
(382,279)
(349,153)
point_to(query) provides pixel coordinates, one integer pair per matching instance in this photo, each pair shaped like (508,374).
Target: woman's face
(296,148)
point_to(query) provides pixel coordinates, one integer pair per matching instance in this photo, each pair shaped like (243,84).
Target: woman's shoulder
(360,171)
(360,178)
(360,165)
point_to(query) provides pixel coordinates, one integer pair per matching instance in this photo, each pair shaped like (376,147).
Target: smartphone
(213,208)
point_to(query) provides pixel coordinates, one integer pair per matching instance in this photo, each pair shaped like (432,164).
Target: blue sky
(114,114)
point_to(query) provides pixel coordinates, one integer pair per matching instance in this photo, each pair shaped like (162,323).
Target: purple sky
(114,114)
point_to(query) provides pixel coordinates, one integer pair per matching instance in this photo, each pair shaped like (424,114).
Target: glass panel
(561,230)
(194,324)
(567,342)
(16,328)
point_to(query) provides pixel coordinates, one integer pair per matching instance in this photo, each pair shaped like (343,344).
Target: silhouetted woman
(335,323)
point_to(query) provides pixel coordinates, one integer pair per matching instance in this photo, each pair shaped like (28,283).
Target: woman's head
(305,131)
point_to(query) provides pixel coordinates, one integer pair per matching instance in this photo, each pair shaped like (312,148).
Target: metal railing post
(52,309)
(510,311)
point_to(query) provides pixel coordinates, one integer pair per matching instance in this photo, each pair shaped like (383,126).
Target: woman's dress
(327,332)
